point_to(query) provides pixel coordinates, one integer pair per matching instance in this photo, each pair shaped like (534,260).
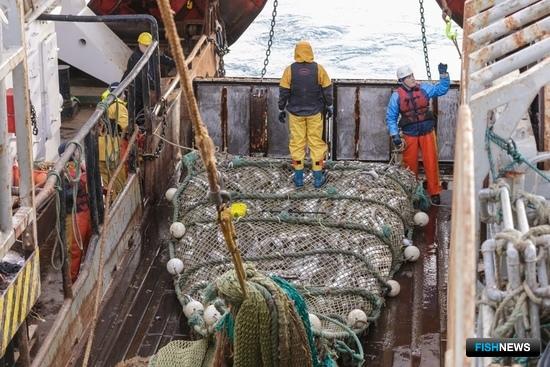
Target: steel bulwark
(74,317)
(359,128)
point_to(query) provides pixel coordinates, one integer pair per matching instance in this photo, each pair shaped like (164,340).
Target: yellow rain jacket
(122,121)
(304,90)
(305,87)
(109,146)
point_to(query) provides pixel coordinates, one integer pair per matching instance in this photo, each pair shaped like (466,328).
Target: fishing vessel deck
(142,313)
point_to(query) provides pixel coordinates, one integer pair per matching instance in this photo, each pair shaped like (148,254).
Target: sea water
(351,39)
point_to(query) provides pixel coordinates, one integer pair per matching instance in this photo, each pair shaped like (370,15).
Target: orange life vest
(414,106)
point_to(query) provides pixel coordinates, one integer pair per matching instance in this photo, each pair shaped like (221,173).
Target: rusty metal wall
(359,127)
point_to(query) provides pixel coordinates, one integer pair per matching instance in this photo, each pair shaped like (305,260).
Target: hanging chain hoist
(220,44)
(449,33)
(270,40)
(424,41)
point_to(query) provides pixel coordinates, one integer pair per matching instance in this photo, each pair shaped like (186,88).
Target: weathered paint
(258,120)
(345,122)
(210,105)
(373,143)
(516,40)
(121,214)
(238,115)
(223,117)
(75,315)
(545,121)
(202,61)
(359,126)
(17,300)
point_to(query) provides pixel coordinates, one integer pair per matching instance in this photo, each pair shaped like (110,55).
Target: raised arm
(442,87)
(392,114)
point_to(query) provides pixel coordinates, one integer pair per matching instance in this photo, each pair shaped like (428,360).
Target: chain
(160,145)
(270,41)
(221,51)
(221,65)
(33,121)
(424,41)
(220,45)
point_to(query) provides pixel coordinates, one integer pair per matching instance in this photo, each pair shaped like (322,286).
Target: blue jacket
(420,128)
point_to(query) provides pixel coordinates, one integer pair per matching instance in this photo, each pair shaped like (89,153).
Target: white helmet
(403,71)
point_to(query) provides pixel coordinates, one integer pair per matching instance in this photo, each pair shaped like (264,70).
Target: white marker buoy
(192,307)
(211,315)
(357,318)
(395,288)
(315,322)
(411,253)
(421,219)
(177,230)
(170,193)
(174,266)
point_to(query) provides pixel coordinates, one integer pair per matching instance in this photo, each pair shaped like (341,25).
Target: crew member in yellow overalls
(305,90)
(112,141)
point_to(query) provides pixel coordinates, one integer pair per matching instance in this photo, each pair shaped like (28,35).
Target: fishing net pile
(313,256)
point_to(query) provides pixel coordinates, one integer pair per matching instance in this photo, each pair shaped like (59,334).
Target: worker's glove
(282,117)
(330,111)
(442,68)
(396,139)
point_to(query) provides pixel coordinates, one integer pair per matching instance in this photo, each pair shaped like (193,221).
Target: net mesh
(337,245)
(183,353)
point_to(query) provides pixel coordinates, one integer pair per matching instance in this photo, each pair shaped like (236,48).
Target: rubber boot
(319,178)
(299,177)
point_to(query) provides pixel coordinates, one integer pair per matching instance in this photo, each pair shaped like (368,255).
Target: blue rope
(329,362)
(227,324)
(358,357)
(509,146)
(420,197)
(301,308)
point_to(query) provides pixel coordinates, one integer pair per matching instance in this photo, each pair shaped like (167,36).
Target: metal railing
(84,144)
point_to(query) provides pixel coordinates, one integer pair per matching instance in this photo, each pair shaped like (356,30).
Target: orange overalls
(77,241)
(414,107)
(428,145)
